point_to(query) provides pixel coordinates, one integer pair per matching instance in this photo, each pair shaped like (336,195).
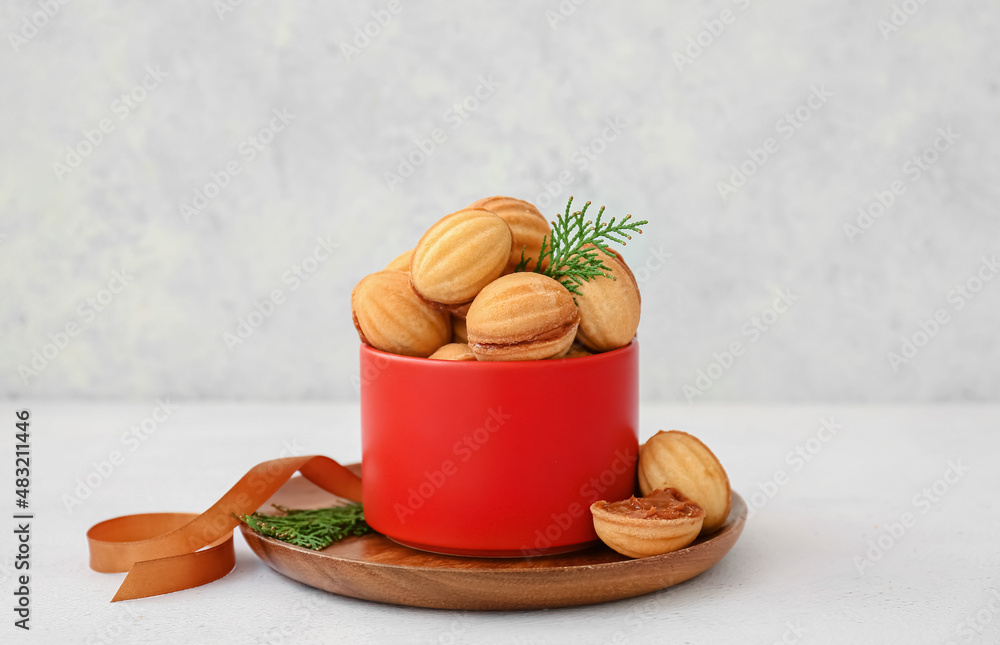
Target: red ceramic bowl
(498,459)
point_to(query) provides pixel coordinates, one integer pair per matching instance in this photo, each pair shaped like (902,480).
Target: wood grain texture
(374,567)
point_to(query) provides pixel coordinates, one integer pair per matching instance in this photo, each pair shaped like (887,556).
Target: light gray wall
(549,85)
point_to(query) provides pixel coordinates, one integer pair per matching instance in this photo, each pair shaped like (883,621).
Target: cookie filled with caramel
(640,527)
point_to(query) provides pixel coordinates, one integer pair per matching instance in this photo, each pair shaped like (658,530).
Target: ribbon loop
(165,552)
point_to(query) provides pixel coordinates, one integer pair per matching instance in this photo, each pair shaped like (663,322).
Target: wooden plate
(374,567)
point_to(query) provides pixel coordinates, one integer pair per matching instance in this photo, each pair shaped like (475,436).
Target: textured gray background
(357,113)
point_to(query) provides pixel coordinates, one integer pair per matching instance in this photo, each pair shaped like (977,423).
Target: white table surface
(792,577)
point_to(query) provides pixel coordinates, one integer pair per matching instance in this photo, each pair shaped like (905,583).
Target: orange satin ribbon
(165,552)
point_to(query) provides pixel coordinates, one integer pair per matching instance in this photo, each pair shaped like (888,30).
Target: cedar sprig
(313,529)
(569,262)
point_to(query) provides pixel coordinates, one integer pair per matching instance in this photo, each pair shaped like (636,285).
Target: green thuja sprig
(312,529)
(575,248)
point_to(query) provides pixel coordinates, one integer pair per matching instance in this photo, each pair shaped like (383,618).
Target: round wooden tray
(374,567)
